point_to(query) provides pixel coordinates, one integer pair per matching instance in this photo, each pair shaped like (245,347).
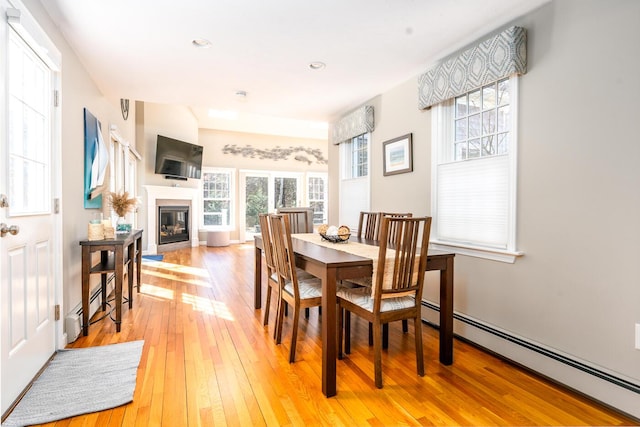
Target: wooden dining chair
(272,277)
(270,262)
(369,225)
(397,288)
(294,291)
(393,232)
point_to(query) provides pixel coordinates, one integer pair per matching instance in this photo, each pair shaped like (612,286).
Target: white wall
(174,121)
(575,291)
(215,155)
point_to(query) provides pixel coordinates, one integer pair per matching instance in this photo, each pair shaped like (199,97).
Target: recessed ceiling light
(317,65)
(201,43)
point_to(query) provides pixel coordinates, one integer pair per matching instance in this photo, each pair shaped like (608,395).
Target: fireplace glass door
(173,224)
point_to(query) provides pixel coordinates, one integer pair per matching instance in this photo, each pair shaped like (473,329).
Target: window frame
(352,163)
(232,197)
(324,200)
(443,136)
(355,191)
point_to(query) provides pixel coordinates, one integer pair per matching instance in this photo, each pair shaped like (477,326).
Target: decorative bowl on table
(334,234)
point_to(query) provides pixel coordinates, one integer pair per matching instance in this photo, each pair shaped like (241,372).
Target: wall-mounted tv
(178,159)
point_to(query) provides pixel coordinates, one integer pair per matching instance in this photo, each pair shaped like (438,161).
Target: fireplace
(161,196)
(173,224)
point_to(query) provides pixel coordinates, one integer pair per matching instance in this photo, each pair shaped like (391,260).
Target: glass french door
(263,192)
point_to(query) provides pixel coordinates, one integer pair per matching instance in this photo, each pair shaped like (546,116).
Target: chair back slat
(267,243)
(300,219)
(369,225)
(405,275)
(393,233)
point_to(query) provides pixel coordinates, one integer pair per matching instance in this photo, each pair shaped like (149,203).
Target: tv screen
(178,159)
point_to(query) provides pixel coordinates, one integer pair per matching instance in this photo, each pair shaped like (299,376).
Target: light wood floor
(207,360)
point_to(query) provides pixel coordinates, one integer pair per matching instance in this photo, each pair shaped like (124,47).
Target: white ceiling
(142,50)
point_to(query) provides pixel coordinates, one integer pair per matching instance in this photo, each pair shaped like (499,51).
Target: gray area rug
(80,381)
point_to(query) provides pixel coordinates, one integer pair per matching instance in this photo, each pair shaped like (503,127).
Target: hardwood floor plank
(208,361)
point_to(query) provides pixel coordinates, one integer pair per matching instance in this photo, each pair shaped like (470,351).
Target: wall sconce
(124,107)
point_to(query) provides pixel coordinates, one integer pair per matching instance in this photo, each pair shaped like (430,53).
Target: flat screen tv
(178,159)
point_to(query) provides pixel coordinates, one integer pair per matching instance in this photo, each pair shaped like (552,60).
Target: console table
(115,255)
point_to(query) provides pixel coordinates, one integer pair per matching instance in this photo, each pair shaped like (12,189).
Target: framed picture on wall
(397,155)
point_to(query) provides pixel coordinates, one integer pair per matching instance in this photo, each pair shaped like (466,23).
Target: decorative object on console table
(397,156)
(121,205)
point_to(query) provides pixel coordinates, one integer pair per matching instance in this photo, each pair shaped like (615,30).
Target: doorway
(30,242)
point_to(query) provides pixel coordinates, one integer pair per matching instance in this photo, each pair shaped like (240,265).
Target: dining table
(334,263)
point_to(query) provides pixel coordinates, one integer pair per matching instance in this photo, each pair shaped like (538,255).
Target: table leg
(138,260)
(446,313)
(257,279)
(119,266)
(329,338)
(131,255)
(86,266)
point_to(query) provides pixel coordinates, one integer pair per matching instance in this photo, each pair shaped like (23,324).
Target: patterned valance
(353,124)
(493,59)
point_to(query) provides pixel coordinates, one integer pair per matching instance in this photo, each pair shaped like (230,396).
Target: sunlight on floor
(156,291)
(179,273)
(177,268)
(205,305)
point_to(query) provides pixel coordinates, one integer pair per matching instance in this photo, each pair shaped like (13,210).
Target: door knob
(4,229)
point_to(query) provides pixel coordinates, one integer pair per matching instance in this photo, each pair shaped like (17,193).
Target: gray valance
(353,124)
(493,59)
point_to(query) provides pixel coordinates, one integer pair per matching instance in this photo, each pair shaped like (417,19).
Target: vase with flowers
(122,205)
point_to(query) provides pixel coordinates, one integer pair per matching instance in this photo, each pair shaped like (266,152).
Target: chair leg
(277,333)
(294,336)
(306,313)
(405,326)
(419,349)
(385,336)
(377,353)
(347,332)
(340,331)
(267,304)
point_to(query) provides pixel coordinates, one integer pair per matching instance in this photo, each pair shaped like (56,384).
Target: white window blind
(473,202)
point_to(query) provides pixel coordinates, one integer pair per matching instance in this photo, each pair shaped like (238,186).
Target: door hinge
(57,312)
(56,98)
(56,205)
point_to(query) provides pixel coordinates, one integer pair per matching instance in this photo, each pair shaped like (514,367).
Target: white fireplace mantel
(155,192)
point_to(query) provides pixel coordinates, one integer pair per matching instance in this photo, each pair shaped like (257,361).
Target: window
(481,121)
(474,182)
(29,123)
(317,195)
(123,175)
(354,180)
(356,157)
(217,197)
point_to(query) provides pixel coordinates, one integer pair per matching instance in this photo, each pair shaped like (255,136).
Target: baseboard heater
(538,349)
(73,320)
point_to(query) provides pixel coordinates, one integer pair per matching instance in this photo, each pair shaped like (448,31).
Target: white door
(263,192)
(27,289)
